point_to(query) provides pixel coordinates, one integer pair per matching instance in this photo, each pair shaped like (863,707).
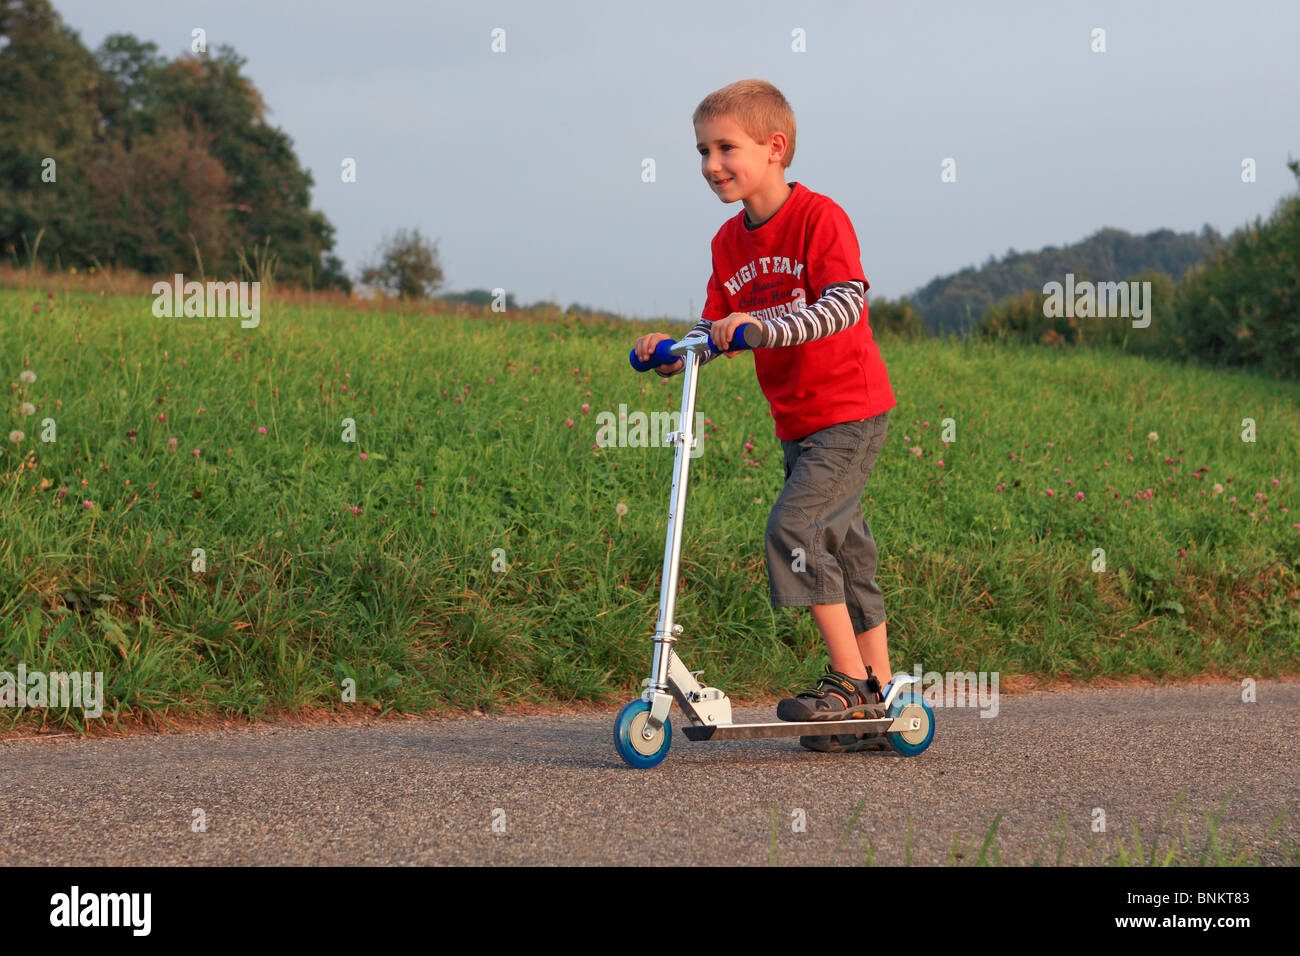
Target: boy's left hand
(724,330)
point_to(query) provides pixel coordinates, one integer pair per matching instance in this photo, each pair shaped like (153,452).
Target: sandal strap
(836,681)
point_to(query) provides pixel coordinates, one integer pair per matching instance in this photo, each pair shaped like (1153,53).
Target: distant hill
(955,303)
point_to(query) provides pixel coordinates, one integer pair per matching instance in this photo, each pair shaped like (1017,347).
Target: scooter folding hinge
(674,436)
(709,705)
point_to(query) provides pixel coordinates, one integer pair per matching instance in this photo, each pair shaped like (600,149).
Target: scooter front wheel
(630,740)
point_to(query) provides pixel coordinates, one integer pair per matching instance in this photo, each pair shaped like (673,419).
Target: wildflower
(1218,488)
(916,450)
(162,417)
(585,408)
(940,462)
(569,422)
(27,408)
(16,436)
(261,429)
(749,446)
(1152,436)
(1050,491)
(1078,496)
(87,504)
(1259,496)
(27,376)
(536,369)
(1275,482)
(195,453)
(620,509)
(1232,500)
(363,456)
(172,442)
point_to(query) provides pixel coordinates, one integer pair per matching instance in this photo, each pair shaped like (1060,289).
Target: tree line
(128,158)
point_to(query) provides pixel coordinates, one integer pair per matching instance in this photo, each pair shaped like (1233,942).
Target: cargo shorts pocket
(821,460)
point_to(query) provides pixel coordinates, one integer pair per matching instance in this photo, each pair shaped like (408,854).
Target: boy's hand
(645,347)
(724,330)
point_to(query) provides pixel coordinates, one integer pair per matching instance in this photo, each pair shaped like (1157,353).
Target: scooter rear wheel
(629,739)
(910,743)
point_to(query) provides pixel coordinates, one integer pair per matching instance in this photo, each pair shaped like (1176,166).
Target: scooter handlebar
(747,336)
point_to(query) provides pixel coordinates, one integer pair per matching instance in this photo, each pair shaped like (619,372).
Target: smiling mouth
(719,185)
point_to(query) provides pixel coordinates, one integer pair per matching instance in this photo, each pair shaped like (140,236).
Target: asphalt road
(552,790)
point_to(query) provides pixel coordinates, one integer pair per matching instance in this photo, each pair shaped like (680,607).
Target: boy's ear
(777,146)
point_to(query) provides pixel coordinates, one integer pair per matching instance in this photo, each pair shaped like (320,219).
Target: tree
(270,191)
(1242,305)
(47,123)
(132,159)
(407,266)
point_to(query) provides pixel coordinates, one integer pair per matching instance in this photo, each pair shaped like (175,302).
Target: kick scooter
(643,731)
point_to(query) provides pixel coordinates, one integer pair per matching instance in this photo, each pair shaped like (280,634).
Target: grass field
(468,549)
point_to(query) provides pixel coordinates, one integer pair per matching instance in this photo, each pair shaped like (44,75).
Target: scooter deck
(799,728)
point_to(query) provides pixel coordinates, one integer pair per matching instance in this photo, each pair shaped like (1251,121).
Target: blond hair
(757,106)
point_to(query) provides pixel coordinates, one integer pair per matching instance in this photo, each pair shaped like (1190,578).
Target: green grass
(322,566)
(1217,847)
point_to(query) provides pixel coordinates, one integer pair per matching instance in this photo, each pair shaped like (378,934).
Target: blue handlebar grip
(748,336)
(662,355)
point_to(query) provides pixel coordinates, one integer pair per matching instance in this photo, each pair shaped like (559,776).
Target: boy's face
(734,165)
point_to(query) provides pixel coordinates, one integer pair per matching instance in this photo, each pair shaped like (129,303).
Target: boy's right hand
(645,347)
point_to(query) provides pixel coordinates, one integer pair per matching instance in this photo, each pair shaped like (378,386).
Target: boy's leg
(858,555)
(874,651)
(837,630)
(802,523)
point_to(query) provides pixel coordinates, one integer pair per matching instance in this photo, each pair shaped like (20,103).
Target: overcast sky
(526,165)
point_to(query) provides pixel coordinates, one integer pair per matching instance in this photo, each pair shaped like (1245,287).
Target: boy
(822,374)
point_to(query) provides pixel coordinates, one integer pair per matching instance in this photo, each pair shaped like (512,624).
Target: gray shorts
(819,546)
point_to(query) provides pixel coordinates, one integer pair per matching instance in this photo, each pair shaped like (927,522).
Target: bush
(407,267)
(1242,306)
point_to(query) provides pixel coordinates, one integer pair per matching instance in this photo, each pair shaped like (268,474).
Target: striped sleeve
(838,309)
